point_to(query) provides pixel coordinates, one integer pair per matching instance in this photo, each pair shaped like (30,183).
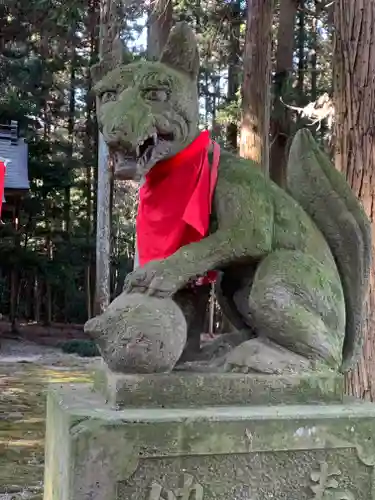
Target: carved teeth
(142,159)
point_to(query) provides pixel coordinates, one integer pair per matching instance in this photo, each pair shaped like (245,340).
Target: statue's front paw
(154,279)
(165,285)
(138,281)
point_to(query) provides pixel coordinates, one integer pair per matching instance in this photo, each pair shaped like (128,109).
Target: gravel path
(26,369)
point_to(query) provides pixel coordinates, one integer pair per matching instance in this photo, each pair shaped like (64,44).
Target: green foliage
(84,348)
(48,47)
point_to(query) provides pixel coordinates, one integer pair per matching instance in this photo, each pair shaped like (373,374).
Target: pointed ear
(118,56)
(181,51)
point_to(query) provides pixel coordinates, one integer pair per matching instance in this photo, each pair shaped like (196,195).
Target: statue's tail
(324,194)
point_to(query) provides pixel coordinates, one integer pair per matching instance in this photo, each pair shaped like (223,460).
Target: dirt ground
(26,370)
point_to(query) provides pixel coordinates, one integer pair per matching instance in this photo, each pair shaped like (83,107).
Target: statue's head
(148,111)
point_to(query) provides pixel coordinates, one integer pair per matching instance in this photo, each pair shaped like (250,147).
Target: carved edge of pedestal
(102,457)
(362,439)
(106,446)
(365,447)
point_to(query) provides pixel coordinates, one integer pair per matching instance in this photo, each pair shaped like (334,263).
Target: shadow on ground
(23,388)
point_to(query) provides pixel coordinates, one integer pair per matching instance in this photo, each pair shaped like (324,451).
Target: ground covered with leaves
(26,370)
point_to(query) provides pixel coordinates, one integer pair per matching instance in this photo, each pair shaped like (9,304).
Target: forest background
(267,69)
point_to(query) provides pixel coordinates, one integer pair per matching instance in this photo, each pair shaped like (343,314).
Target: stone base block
(184,389)
(285,452)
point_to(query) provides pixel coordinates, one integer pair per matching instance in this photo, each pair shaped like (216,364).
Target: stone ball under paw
(140,334)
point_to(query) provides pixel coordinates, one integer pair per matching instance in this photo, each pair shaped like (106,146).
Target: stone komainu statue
(295,263)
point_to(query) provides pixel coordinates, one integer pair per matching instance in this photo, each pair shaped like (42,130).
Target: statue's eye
(108,96)
(156,95)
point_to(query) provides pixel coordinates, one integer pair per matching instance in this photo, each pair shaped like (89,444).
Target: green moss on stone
(311,246)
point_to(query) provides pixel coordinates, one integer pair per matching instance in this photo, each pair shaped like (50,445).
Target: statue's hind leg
(297,308)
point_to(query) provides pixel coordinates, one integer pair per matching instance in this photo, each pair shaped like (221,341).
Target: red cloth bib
(175,201)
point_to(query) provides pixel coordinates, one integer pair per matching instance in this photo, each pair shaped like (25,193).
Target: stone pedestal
(208,437)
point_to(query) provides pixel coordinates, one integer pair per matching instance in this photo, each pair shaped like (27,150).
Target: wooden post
(109,29)
(103,232)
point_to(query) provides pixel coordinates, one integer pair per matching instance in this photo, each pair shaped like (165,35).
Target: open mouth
(129,163)
(148,148)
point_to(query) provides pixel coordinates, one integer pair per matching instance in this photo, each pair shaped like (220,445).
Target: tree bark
(234,69)
(71,122)
(254,142)
(301,53)
(280,125)
(89,153)
(354,95)
(313,52)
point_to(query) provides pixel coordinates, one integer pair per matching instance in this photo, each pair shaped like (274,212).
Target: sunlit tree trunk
(312,53)
(354,94)
(254,142)
(301,52)
(280,126)
(234,69)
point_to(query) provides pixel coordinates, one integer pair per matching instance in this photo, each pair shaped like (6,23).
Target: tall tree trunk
(159,25)
(71,121)
(234,68)
(280,125)
(45,53)
(50,223)
(89,156)
(67,194)
(216,83)
(95,176)
(254,143)
(313,54)
(37,298)
(301,52)
(354,94)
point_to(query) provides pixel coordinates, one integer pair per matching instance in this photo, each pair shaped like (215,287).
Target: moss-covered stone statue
(294,265)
